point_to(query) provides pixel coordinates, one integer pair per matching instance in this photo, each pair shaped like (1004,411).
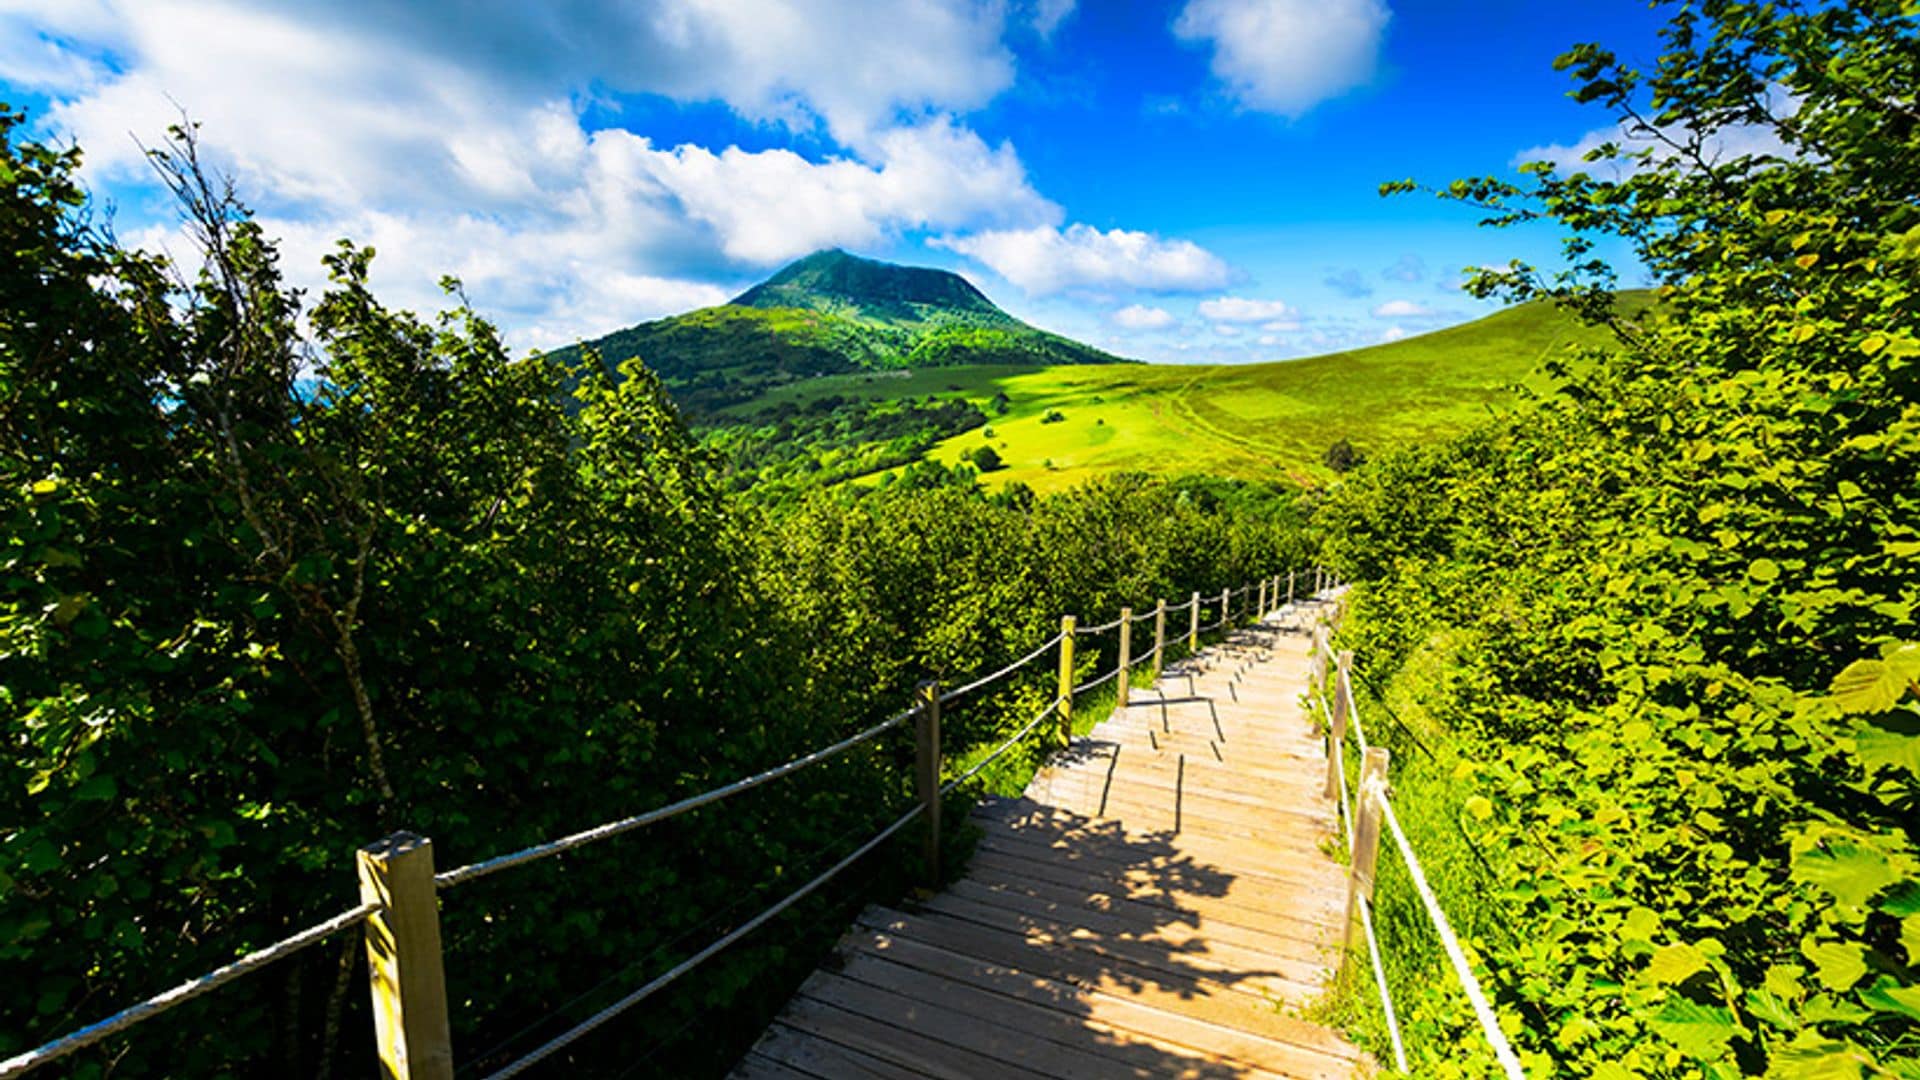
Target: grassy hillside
(832,313)
(1059,425)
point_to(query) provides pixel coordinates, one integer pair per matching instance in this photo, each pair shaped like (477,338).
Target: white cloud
(770,206)
(1047,15)
(1393,333)
(1141,317)
(1403,309)
(1232,309)
(1725,144)
(457,144)
(1045,260)
(1408,268)
(1287,56)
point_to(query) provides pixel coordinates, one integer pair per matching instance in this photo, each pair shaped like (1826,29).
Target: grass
(1252,421)
(1428,794)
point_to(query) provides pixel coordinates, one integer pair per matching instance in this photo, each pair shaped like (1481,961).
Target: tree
(987,459)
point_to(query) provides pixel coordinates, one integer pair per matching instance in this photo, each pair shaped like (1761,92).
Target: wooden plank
(824,1058)
(1094,1045)
(1010,1031)
(1246,970)
(1289,1046)
(1253,929)
(1197,999)
(1312,895)
(756,1067)
(921,1054)
(1306,963)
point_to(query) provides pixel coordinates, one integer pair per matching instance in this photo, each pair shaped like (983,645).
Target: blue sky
(1193,180)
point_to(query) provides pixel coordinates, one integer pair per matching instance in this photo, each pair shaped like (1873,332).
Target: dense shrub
(1624,605)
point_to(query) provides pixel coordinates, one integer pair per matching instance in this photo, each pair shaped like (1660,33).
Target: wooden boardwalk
(1158,903)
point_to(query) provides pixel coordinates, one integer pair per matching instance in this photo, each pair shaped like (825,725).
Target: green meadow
(1065,423)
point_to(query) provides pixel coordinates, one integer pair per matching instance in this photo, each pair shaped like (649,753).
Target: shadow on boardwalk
(1088,940)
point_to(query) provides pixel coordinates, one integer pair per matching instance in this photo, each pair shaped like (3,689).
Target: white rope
(1353,717)
(1489,1023)
(1380,982)
(568,1037)
(185,992)
(1146,614)
(1083,631)
(1003,672)
(1001,749)
(1090,685)
(614,828)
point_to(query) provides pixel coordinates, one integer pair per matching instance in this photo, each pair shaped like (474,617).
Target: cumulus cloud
(456,141)
(1046,259)
(1235,309)
(1403,309)
(1287,56)
(1393,333)
(1349,283)
(1142,317)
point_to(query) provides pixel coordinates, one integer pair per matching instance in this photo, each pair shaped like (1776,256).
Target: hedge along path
(1159,902)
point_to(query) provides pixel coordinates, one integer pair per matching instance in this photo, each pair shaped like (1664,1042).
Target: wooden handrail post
(1365,855)
(1290,574)
(926,747)
(1193,626)
(1066,680)
(1339,732)
(1126,658)
(1159,637)
(1261,612)
(1226,608)
(408,978)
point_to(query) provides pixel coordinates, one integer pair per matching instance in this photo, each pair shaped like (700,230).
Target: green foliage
(269,598)
(1629,610)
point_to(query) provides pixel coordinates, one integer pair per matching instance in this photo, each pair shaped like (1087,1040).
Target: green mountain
(832,313)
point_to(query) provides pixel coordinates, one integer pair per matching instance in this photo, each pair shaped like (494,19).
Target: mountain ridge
(831,313)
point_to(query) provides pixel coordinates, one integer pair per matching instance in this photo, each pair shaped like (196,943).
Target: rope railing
(19,1064)
(1009,744)
(1378,795)
(450,878)
(983,680)
(573,1034)
(391,912)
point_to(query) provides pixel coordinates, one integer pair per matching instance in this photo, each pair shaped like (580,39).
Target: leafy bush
(1624,605)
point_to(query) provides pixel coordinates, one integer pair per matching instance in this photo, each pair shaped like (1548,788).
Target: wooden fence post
(1262,612)
(1226,607)
(1193,626)
(403,959)
(1339,733)
(1125,692)
(926,746)
(1159,637)
(1365,855)
(1290,588)
(1066,680)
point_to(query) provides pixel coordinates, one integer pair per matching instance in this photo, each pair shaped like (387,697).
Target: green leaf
(1764,570)
(1676,963)
(1868,686)
(1891,741)
(1824,1059)
(1838,965)
(1848,872)
(1480,807)
(1699,1031)
(1888,996)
